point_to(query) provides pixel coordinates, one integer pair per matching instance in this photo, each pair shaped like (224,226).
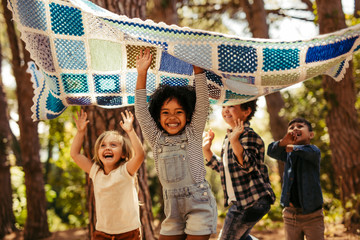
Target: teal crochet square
(66,20)
(280,59)
(75,83)
(54,104)
(107,83)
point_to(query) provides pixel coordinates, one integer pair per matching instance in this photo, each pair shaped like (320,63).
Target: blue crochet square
(75,83)
(107,83)
(174,81)
(54,104)
(173,65)
(214,78)
(131,82)
(32,14)
(66,20)
(280,59)
(71,54)
(82,101)
(52,116)
(237,59)
(199,54)
(109,101)
(329,51)
(53,83)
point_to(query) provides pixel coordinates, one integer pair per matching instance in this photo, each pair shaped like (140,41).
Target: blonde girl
(113,173)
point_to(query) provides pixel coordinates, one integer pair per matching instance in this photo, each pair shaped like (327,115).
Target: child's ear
(248,112)
(312,135)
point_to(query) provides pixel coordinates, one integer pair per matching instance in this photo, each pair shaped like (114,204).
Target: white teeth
(173,124)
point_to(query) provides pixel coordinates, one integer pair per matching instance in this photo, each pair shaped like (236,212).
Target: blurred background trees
(49,192)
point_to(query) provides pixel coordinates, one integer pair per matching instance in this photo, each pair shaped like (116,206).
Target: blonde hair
(126,148)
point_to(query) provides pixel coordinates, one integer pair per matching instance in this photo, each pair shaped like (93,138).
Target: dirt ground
(333,232)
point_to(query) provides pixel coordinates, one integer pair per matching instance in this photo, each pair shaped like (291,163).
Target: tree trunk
(7,219)
(342,119)
(256,17)
(103,119)
(357,8)
(36,225)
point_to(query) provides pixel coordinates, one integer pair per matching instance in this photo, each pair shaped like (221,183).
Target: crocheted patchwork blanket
(85,55)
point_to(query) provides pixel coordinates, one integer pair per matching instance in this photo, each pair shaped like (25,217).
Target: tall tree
(256,17)
(103,119)
(342,119)
(36,225)
(7,219)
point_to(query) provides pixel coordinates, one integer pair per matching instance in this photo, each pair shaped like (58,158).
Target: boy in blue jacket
(301,194)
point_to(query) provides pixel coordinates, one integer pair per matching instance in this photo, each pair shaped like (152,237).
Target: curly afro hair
(185,95)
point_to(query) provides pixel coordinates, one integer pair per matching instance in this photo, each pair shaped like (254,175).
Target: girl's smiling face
(172,116)
(110,152)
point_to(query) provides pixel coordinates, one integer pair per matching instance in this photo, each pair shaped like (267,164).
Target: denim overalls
(189,207)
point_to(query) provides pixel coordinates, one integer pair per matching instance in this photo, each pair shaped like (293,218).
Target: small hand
(81,122)
(143,60)
(127,122)
(207,139)
(289,148)
(237,130)
(289,138)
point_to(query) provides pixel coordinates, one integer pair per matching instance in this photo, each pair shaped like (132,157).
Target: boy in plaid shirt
(244,175)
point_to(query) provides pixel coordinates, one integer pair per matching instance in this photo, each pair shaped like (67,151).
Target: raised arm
(143,61)
(75,152)
(136,161)
(201,111)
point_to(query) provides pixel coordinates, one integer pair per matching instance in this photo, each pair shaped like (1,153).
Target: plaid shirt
(251,180)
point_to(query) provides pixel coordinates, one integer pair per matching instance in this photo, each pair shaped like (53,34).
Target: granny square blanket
(86,55)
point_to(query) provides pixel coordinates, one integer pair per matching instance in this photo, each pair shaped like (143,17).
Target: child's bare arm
(75,152)
(136,161)
(143,61)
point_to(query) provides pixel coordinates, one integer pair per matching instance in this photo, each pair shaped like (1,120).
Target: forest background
(43,191)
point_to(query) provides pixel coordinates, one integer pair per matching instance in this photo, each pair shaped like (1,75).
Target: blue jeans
(238,222)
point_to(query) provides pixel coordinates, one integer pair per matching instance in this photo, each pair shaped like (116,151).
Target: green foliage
(66,178)
(19,196)
(352,213)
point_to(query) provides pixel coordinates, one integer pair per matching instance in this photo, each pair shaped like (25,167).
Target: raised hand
(81,121)
(237,130)
(143,60)
(289,138)
(127,122)
(207,139)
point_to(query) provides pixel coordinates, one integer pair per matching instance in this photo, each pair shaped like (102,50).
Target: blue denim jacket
(306,158)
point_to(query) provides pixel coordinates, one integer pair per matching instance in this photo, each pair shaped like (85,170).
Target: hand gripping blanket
(86,55)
